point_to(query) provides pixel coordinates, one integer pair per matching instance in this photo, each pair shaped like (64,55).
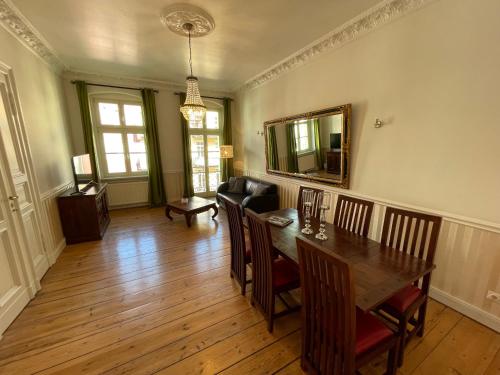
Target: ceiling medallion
(177,15)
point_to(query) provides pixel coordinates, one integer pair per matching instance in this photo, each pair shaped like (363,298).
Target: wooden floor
(156,297)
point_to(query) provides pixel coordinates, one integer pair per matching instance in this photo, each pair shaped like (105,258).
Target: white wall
(44,111)
(169,131)
(433,77)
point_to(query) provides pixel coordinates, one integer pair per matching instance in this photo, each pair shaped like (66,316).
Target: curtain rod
(205,96)
(113,86)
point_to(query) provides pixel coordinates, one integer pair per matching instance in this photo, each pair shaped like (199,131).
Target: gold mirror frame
(345,110)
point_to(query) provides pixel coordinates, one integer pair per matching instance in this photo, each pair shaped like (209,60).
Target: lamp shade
(226,152)
(193,109)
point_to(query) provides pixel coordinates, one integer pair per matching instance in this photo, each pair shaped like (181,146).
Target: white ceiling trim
(15,23)
(379,15)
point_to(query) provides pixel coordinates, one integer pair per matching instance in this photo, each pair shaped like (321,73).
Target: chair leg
(392,360)
(243,287)
(421,319)
(271,315)
(403,323)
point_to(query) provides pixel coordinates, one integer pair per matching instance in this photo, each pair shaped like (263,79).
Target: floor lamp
(226,152)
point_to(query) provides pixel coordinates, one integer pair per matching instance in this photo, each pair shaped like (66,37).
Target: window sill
(305,153)
(117,180)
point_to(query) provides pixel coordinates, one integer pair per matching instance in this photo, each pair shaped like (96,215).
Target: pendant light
(193,109)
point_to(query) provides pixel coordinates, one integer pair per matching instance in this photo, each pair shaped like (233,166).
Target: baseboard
(13,310)
(471,311)
(57,251)
(129,205)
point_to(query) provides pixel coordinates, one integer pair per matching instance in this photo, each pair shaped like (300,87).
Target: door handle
(13,197)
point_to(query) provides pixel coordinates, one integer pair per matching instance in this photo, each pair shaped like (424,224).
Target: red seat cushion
(284,273)
(369,331)
(404,298)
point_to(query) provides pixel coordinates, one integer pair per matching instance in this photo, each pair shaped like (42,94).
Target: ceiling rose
(177,15)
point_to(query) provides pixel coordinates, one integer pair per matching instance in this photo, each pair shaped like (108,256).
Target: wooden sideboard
(84,217)
(333,160)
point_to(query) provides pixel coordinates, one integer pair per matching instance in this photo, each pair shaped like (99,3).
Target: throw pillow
(236,185)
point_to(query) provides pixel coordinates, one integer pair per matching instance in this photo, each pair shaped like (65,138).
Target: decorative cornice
(15,23)
(381,14)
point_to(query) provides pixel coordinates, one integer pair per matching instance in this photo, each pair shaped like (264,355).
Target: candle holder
(307,201)
(325,200)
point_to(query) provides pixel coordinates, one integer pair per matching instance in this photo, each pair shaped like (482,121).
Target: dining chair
(316,204)
(416,234)
(337,338)
(270,276)
(353,214)
(240,249)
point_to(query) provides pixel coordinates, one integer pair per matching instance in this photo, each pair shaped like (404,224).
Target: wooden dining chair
(315,208)
(240,249)
(353,214)
(416,234)
(337,338)
(270,276)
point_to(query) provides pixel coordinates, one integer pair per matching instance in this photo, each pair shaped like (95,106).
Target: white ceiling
(126,38)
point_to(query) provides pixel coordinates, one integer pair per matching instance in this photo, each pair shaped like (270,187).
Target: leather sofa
(258,195)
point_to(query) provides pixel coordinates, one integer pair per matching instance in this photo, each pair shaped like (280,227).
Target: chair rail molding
(12,20)
(375,17)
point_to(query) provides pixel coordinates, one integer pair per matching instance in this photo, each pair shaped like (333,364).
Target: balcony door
(205,139)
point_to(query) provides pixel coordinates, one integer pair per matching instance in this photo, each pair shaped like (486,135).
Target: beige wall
(42,102)
(433,77)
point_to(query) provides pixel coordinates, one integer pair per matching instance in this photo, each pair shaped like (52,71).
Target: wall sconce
(378,123)
(261,133)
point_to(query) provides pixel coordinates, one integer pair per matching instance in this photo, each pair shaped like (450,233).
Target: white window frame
(214,107)
(124,130)
(310,137)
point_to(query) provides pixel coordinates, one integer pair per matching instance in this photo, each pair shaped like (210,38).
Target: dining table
(379,271)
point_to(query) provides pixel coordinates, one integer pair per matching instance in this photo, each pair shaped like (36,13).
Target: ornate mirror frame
(345,144)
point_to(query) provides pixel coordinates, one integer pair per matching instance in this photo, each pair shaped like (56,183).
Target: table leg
(167,213)
(216,211)
(188,219)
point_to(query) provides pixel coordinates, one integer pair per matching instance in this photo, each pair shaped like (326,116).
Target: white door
(15,157)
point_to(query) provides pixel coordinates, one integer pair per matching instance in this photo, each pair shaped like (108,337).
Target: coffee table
(193,206)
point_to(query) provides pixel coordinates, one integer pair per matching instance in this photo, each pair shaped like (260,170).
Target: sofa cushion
(260,189)
(235,198)
(236,185)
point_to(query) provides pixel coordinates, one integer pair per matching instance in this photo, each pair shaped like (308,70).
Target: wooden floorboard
(154,297)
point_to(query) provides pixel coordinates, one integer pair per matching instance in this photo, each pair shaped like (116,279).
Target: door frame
(23,147)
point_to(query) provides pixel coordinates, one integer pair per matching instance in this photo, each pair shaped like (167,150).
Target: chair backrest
(261,249)
(411,232)
(328,311)
(237,236)
(353,214)
(315,209)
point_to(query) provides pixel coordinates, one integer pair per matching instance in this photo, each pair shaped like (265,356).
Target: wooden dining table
(379,271)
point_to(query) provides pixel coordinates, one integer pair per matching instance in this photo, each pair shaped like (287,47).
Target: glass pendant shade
(193,109)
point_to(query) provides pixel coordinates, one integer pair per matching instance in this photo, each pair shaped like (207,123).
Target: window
(120,138)
(303,136)
(205,138)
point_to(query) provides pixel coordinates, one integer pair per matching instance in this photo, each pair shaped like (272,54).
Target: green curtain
(88,137)
(272,150)
(188,178)
(227,139)
(317,144)
(291,148)
(157,194)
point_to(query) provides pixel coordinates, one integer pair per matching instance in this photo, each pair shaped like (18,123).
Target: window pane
(213,151)
(116,163)
(136,143)
(199,182)
(195,124)
(138,162)
(133,115)
(197,151)
(303,130)
(213,180)
(108,113)
(304,144)
(113,142)
(212,118)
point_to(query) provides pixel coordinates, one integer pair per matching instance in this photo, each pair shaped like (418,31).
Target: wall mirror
(313,146)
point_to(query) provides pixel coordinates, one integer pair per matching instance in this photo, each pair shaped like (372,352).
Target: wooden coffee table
(193,206)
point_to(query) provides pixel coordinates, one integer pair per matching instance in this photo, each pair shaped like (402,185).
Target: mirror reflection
(313,147)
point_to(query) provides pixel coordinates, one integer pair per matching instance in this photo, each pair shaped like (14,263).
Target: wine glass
(325,200)
(307,202)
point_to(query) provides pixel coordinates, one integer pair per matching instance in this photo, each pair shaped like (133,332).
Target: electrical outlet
(493,296)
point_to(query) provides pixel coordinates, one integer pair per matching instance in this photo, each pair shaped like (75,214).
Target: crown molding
(12,20)
(375,17)
(136,82)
